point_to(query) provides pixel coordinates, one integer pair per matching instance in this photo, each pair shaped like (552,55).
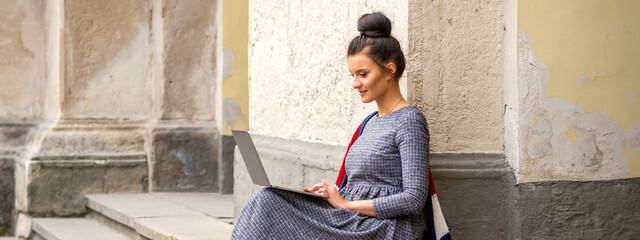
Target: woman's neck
(391,101)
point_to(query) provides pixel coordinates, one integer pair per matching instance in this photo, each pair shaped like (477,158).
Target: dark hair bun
(374,24)
(376,41)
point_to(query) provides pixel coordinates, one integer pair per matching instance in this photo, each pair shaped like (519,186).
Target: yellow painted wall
(235,36)
(592,50)
(597,38)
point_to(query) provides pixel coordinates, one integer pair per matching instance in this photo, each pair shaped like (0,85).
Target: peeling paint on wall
(227,62)
(580,85)
(562,140)
(231,112)
(586,47)
(571,135)
(634,161)
(234,64)
(581,79)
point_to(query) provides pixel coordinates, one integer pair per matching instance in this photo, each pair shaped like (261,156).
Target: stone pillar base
(66,161)
(184,157)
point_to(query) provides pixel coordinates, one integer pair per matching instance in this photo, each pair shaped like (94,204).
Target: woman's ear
(391,70)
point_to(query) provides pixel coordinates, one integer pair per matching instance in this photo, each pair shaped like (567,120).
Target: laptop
(254,165)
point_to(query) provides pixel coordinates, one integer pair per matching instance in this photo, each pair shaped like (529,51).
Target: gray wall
(578,210)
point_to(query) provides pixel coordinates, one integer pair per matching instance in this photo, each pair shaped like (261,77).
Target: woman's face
(369,79)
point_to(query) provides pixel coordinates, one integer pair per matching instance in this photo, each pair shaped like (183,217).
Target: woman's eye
(363,74)
(351,74)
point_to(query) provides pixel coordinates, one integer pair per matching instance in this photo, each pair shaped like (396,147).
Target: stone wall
(7,192)
(577,209)
(184,136)
(455,72)
(102,97)
(21,92)
(106,59)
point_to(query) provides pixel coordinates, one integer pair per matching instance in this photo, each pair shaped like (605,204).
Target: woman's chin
(366,100)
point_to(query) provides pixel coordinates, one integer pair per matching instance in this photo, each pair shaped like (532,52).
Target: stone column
(21,90)
(183,136)
(90,138)
(456,77)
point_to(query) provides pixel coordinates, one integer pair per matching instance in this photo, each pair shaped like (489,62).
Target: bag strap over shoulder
(341,181)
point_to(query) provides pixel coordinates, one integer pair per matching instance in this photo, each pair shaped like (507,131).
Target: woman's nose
(356,83)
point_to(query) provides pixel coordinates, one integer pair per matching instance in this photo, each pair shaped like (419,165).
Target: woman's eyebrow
(358,70)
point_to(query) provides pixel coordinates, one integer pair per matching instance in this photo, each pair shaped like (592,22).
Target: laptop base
(298,191)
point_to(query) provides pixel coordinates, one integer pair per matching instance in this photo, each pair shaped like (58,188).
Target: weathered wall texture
(578,209)
(189,63)
(103,97)
(578,82)
(21,92)
(106,59)
(7,190)
(183,140)
(184,159)
(233,82)
(299,81)
(21,67)
(128,95)
(234,65)
(60,166)
(455,72)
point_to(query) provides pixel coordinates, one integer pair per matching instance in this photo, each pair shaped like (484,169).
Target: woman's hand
(331,190)
(315,189)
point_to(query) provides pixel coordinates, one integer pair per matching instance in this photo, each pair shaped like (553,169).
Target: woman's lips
(363,92)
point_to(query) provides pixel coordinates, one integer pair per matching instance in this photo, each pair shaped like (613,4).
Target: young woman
(386,167)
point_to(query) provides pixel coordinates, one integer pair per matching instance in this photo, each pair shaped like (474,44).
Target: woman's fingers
(318,186)
(309,190)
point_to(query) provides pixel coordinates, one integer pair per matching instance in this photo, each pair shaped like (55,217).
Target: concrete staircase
(157,215)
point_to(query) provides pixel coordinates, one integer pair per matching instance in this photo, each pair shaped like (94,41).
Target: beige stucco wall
(299,83)
(188,58)
(106,59)
(456,72)
(579,118)
(22,62)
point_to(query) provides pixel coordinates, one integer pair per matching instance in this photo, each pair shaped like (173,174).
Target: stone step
(167,215)
(74,228)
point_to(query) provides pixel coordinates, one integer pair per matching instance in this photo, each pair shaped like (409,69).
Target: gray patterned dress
(387,163)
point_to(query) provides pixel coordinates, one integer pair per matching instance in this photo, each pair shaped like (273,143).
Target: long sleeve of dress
(412,137)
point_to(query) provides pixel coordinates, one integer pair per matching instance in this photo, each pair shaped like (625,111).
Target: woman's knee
(263,193)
